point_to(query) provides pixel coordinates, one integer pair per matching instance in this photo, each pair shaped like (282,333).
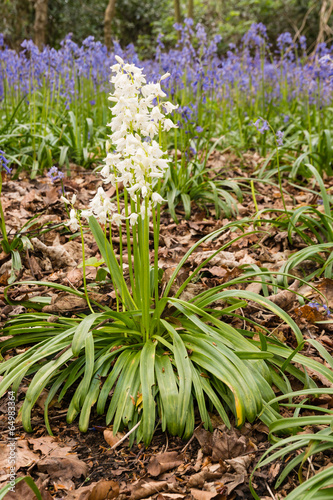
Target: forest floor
(73,465)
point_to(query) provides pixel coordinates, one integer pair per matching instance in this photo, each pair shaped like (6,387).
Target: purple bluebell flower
(284,39)
(279,137)
(199,129)
(261,125)
(318,306)
(302,42)
(314,305)
(55,174)
(327,310)
(4,162)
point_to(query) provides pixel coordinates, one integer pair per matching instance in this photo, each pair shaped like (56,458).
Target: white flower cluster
(137,158)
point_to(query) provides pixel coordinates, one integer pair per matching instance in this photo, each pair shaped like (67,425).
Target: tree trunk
(108,17)
(190,9)
(324,17)
(40,23)
(178,17)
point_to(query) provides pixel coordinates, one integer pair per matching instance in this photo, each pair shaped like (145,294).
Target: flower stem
(146,274)
(84,269)
(129,247)
(2,216)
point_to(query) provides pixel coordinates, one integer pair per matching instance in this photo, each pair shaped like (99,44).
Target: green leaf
(30,482)
(169,401)
(184,373)
(147,369)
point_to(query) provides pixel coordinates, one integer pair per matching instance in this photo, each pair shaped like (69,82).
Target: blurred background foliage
(140,22)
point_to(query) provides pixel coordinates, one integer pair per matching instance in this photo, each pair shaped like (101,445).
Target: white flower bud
(133,218)
(157,198)
(119,59)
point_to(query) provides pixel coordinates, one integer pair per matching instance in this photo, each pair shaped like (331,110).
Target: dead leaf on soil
(223,444)
(30,199)
(209,472)
(70,302)
(240,464)
(285,297)
(112,439)
(74,248)
(65,302)
(203,495)
(309,314)
(144,489)
(273,471)
(75,276)
(49,446)
(104,490)
(57,253)
(24,456)
(164,462)
(221,259)
(81,493)
(63,469)
(192,290)
(325,286)
(51,196)
(231,481)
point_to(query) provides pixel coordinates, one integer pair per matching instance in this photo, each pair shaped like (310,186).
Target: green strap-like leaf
(184,373)
(30,482)
(147,376)
(166,380)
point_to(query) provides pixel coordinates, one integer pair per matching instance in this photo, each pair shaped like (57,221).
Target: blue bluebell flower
(317,306)
(261,125)
(55,174)
(4,162)
(279,137)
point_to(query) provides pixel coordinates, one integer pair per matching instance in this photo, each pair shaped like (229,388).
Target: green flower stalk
(137,162)
(3,166)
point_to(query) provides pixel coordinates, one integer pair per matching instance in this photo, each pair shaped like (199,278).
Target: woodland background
(140,22)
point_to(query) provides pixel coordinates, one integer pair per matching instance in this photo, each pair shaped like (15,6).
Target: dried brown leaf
(104,490)
(57,253)
(63,468)
(203,495)
(65,302)
(223,444)
(325,286)
(144,489)
(112,439)
(24,456)
(309,314)
(163,462)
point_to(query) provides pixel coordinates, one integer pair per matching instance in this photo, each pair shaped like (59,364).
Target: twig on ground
(126,436)
(270,491)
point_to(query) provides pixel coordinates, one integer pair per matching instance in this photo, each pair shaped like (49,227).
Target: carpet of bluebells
(54,104)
